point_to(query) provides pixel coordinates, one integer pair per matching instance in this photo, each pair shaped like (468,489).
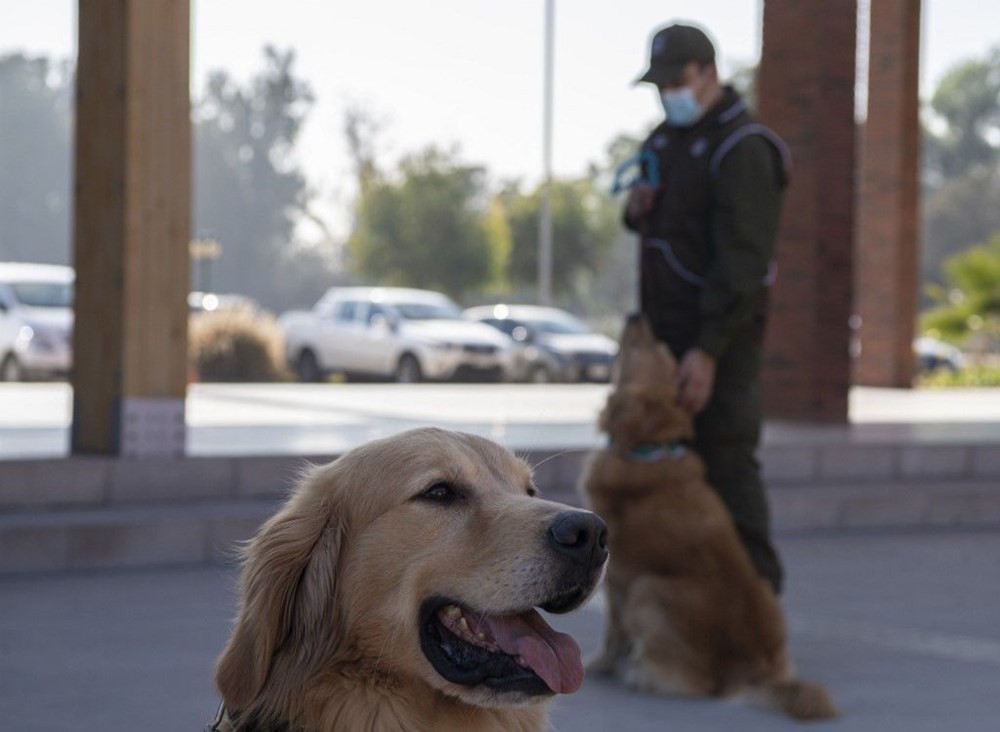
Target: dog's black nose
(581,536)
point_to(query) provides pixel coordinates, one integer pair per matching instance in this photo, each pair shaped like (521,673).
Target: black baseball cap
(673,48)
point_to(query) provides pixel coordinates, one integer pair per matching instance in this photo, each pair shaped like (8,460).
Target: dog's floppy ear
(290,561)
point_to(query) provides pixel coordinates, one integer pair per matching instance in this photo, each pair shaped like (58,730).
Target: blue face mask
(681,106)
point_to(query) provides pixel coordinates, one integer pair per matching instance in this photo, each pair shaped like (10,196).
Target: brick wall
(886,269)
(806,93)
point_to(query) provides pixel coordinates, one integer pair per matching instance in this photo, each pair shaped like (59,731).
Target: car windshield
(562,326)
(427,311)
(43,294)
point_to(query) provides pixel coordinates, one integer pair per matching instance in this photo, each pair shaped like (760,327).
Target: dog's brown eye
(440,492)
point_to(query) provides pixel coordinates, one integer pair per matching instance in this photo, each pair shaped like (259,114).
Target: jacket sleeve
(628,221)
(744,224)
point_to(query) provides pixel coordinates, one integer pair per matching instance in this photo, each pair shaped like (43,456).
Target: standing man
(707,214)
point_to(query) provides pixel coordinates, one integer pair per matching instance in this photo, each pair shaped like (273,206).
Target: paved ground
(281,419)
(904,629)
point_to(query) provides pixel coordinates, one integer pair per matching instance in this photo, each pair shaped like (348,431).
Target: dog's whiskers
(553,456)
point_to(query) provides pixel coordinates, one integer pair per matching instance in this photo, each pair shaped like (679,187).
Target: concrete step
(131,536)
(87,512)
(200,532)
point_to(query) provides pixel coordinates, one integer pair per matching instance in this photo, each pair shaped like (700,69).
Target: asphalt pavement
(903,628)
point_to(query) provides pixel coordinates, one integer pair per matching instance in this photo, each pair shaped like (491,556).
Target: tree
(36,122)
(966,106)
(426,226)
(744,79)
(961,174)
(969,305)
(579,232)
(362,130)
(249,190)
(958,213)
(593,255)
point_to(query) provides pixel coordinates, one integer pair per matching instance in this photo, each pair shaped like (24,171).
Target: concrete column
(806,93)
(886,272)
(132,227)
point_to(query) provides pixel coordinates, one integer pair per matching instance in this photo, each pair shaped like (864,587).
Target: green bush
(969,305)
(237,344)
(973,375)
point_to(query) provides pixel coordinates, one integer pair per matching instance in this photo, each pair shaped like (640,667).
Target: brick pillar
(806,93)
(886,273)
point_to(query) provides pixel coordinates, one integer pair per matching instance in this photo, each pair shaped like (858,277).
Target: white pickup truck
(393,333)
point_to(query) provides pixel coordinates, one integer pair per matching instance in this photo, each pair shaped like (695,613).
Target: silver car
(551,344)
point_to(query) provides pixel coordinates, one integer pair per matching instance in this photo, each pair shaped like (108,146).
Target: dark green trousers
(727,436)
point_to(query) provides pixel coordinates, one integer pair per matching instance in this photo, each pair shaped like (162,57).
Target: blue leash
(641,168)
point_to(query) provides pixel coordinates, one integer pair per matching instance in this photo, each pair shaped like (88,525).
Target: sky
(470,72)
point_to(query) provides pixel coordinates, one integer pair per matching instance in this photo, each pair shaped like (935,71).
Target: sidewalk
(901,627)
(287,419)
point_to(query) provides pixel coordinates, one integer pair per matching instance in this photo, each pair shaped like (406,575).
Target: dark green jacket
(708,244)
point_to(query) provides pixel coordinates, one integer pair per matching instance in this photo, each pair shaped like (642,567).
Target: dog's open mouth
(516,652)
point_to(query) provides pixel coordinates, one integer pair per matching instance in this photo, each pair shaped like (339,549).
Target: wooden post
(132,227)
(806,92)
(886,272)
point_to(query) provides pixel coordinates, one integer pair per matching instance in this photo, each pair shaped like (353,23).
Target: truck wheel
(10,369)
(407,370)
(307,368)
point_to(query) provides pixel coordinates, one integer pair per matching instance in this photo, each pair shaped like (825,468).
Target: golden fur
(687,612)
(339,587)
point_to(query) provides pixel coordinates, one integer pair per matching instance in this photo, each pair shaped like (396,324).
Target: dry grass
(237,344)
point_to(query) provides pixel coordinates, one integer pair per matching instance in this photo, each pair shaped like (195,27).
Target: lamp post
(545,215)
(204,251)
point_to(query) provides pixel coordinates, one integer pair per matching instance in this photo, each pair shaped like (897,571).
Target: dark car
(552,344)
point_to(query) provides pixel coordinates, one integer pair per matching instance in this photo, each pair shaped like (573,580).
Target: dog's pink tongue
(554,656)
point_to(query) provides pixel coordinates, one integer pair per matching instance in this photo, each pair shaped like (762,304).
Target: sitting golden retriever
(687,612)
(396,588)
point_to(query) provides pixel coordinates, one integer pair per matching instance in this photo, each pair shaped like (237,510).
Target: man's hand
(695,379)
(640,200)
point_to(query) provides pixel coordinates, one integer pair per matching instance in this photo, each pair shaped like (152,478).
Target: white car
(36,320)
(392,332)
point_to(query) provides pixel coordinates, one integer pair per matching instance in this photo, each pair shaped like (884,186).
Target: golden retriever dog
(396,590)
(687,612)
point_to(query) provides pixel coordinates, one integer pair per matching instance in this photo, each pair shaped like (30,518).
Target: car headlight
(24,335)
(42,339)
